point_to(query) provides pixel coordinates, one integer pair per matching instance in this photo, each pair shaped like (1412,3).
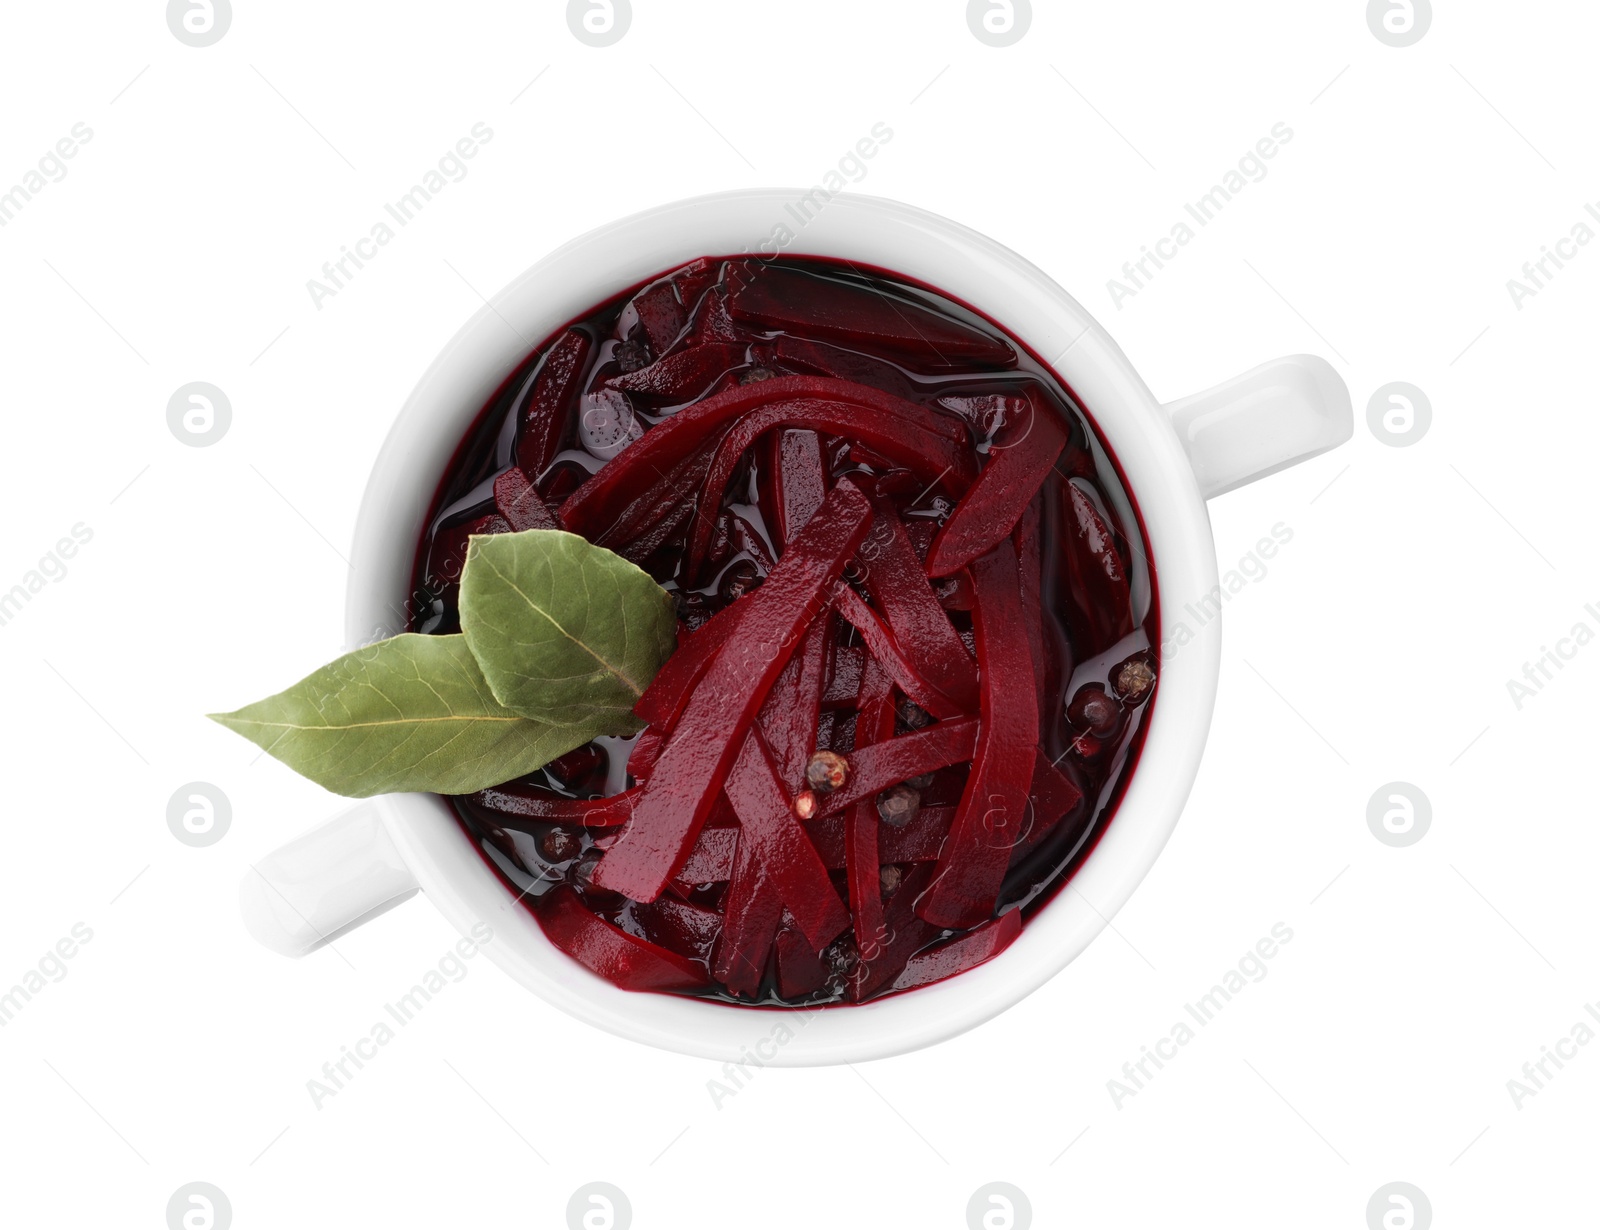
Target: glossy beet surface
(916,615)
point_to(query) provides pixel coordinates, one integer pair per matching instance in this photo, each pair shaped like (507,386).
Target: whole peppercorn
(827,771)
(805,805)
(1095,711)
(558,845)
(898,806)
(1133,680)
(889,878)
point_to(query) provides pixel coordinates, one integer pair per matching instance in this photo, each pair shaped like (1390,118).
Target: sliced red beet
(1052,795)
(1101,609)
(547,401)
(517,500)
(1020,459)
(789,717)
(663,701)
(918,842)
(775,297)
(684,374)
(874,724)
(802,970)
(656,513)
(711,860)
(799,481)
(622,959)
(701,749)
(710,321)
(884,649)
(876,768)
(991,818)
(646,748)
(902,438)
(768,827)
(688,930)
(884,955)
(1030,565)
(658,309)
(515,802)
(601,501)
(798,354)
(920,626)
(961,953)
(845,682)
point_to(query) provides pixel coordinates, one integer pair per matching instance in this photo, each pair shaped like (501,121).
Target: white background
(1377,647)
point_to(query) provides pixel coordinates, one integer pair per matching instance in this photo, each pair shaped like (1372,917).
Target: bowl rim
(967,265)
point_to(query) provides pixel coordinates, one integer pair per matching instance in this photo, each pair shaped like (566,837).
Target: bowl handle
(325,882)
(1266,420)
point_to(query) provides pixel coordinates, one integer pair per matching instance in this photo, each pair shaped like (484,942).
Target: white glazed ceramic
(377,854)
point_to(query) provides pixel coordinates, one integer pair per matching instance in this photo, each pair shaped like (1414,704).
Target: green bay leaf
(564,631)
(410,713)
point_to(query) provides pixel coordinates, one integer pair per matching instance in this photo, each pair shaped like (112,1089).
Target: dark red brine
(917,621)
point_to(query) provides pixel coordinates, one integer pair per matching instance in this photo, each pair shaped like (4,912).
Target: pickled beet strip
(596,505)
(884,955)
(751,915)
(934,456)
(1051,793)
(685,374)
(622,959)
(874,769)
(885,650)
(789,717)
(1030,571)
(688,930)
(990,817)
(874,724)
(517,500)
(1101,611)
(962,953)
(1021,458)
(657,512)
(773,297)
(711,860)
(826,360)
(646,749)
(802,971)
(921,628)
(661,314)
(689,774)
(547,400)
(788,860)
(774,867)
(848,663)
(800,481)
(513,802)
(663,701)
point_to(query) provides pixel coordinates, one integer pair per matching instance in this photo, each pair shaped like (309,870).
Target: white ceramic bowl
(380,852)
